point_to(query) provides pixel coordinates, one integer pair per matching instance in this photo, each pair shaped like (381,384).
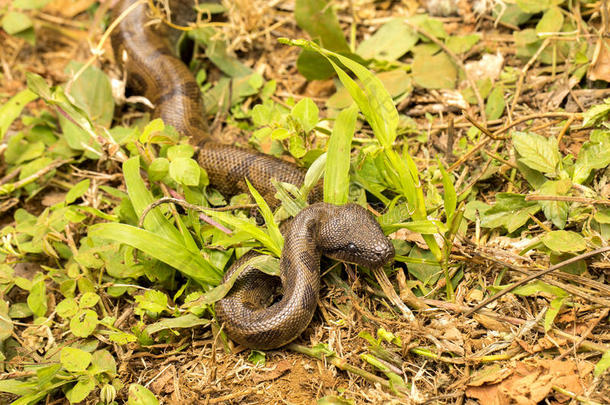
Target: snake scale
(348,233)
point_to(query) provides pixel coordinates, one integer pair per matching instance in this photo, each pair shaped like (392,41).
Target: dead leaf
(160,385)
(600,65)
(280,369)
(68,8)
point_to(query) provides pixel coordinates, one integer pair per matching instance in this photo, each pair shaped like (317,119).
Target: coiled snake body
(346,233)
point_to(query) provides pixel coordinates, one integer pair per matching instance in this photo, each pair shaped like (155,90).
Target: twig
(9,188)
(537,275)
(523,73)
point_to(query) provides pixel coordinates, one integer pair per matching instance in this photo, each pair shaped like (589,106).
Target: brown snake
(348,233)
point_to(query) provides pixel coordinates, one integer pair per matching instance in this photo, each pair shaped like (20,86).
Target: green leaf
(248,227)
(495,103)
(552,312)
(257,358)
(537,152)
(390,42)
(272,226)
(184,171)
(6,326)
(77,191)
(594,154)
(336,179)
(92,93)
(158,169)
(37,299)
(564,241)
(450,196)
(596,114)
(67,308)
(17,387)
(151,301)
(165,250)
(104,362)
(443,76)
(14,22)
(11,109)
(555,211)
(139,395)
(81,389)
(83,323)
(318,18)
(305,112)
(88,300)
(462,43)
(426,273)
(603,364)
(74,360)
(184,321)
(180,151)
(551,21)
(536,6)
(537,287)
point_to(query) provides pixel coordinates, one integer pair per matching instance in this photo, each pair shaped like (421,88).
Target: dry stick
(342,364)
(33,177)
(523,73)
(566,199)
(459,62)
(537,275)
(560,114)
(583,337)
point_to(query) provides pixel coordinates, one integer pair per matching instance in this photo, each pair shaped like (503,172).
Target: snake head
(351,234)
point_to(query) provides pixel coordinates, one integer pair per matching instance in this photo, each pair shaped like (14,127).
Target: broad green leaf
(88,300)
(11,109)
(67,308)
(104,362)
(426,273)
(596,114)
(139,395)
(536,6)
(151,301)
(443,76)
(602,216)
(37,299)
(336,179)
(77,191)
(494,108)
(14,22)
(462,43)
(92,93)
(180,151)
(510,211)
(594,154)
(168,251)
(390,42)
(74,360)
(158,169)
(6,326)
(555,211)
(551,21)
(83,323)
(564,241)
(305,112)
(216,49)
(537,152)
(81,389)
(184,171)
(318,18)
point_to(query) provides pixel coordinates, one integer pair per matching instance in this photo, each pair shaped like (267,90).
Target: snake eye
(351,247)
